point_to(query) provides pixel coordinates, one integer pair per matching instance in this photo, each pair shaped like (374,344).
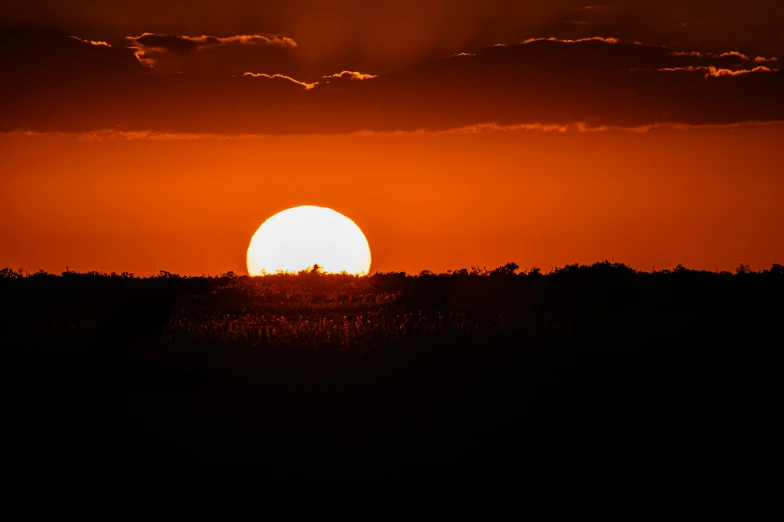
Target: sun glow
(300,237)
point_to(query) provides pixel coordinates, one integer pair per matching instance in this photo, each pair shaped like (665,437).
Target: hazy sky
(153,135)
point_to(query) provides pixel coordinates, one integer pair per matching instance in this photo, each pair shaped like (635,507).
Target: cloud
(173,43)
(405,33)
(731,54)
(307,86)
(713,71)
(483,128)
(735,53)
(716,72)
(256,39)
(169,53)
(163,43)
(62,84)
(344,75)
(350,75)
(55,55)
(91,42)
(531,127)
(579,40)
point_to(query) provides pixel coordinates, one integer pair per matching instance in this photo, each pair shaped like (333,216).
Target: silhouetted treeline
(573,293)
(583,375)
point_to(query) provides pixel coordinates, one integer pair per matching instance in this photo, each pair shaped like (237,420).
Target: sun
(300,237)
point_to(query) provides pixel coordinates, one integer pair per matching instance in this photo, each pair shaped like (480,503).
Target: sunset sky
(158,135)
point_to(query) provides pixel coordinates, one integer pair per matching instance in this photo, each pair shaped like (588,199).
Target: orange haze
(705,197)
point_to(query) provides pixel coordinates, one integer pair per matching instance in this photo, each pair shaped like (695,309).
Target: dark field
(583,376)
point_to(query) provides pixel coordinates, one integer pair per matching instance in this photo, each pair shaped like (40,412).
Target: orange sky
(705,197)
(142,136)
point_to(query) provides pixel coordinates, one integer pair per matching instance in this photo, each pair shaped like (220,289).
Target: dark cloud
(167,53)
(752,26)
(387,35)
(165,42)
(588,82)
(184,44)
(51,53)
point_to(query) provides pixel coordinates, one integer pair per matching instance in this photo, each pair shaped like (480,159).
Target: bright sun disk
(300,237)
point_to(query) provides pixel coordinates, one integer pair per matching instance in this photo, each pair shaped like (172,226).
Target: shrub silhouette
(185,383)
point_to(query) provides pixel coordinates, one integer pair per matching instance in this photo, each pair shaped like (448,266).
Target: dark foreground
(590,376)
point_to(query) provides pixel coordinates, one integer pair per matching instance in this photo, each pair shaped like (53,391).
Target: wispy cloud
(350,75)
(730,54)
(483,128)
(711,70)
(92,42)
(728,72)
(307,86)
(579,40)
(736,54)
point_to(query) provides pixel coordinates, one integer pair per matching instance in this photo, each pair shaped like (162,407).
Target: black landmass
(587,376)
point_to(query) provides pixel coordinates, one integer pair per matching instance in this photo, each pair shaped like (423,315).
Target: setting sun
(300,237)
(576,215)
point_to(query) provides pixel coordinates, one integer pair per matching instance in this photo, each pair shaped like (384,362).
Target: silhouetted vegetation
(582,373)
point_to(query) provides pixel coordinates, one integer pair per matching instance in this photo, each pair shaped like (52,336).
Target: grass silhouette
(587,373)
